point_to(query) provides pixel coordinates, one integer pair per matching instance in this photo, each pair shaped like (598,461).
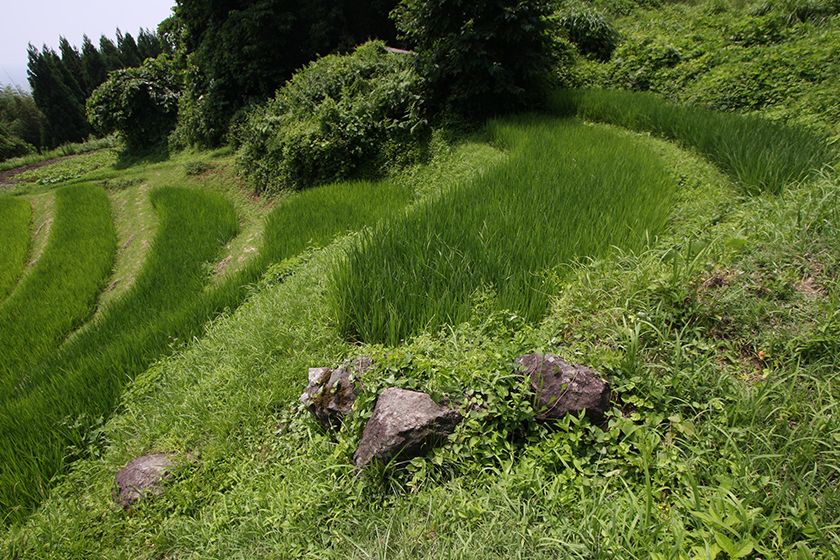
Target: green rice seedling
(15,216)
(568,191)
(168,302)
(85,376)
(58,294)
(762,155)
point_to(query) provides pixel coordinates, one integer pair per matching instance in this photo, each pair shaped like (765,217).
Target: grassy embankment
(723,440)
(59,293)
(15,217)
(170,300)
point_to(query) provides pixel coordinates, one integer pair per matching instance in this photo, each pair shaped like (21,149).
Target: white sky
(42,21)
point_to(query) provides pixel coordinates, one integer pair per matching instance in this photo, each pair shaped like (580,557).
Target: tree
(481,57)
(95,68)
(21,117)
(241,52)
(129,53)
(141,104)
(110,54)
(148,44)
(56,98)
(72,61)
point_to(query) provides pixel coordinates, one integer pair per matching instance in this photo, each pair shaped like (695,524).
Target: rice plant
(15,216)
(59,402)
(59,293)
(568,191)
(762,155)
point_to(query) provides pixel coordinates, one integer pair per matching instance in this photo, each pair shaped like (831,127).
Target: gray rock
(331,393)
(562,388)
(141,477)
(404,424)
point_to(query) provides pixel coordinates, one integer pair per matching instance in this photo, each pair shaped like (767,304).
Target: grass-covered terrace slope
(568,191)
(59,293)
(15,218)
(48,422)
(720,340)
(761,155)
(62,393)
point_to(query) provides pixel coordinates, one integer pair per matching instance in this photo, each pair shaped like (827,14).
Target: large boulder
(331,393)
(562,388)
(404,424)
(141,477)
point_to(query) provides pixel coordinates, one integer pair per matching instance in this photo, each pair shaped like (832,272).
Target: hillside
(681,238)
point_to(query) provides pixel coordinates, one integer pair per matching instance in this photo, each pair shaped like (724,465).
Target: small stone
(404,424)
(331,393)
(562,388)
(141,477)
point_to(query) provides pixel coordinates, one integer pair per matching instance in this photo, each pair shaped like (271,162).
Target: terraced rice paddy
(59,293)
(51,403)
(568,191)
(762,155)
(15,216)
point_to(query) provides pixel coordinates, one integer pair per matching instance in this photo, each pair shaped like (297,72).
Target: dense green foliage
(568,191)
(62,81)
(141,104)
(480,57)
(11,146)
(241,52)
(20,117)
(59,293)
(15,216)
(588,29)
(761,154)
(339,116)
(776,57)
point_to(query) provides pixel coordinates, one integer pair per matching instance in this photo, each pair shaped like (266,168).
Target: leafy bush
(339,116)
(11,146)
(636,64)
(140,103)
(481,57)
(240,52)
(588,29)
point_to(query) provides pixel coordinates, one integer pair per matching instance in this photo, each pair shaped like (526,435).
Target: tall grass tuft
(15,216)
(762,155)
(59,293)
(567,191)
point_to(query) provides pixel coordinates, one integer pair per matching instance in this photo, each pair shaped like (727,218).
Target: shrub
(140,104)
(481,57)
(588,29)
(638,63)
(12,146)
(339,116)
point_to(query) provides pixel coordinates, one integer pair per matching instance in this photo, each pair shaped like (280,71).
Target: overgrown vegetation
(762,155)
(481,58)
(15,217)
(568,191)
(775,57)
(339,116)
(141,104)
(237,54)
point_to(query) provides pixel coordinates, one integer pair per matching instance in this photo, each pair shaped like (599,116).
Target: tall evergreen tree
(95,68)
(148,44)
(56,99)
(72,61)
(110,53)
(129,53)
